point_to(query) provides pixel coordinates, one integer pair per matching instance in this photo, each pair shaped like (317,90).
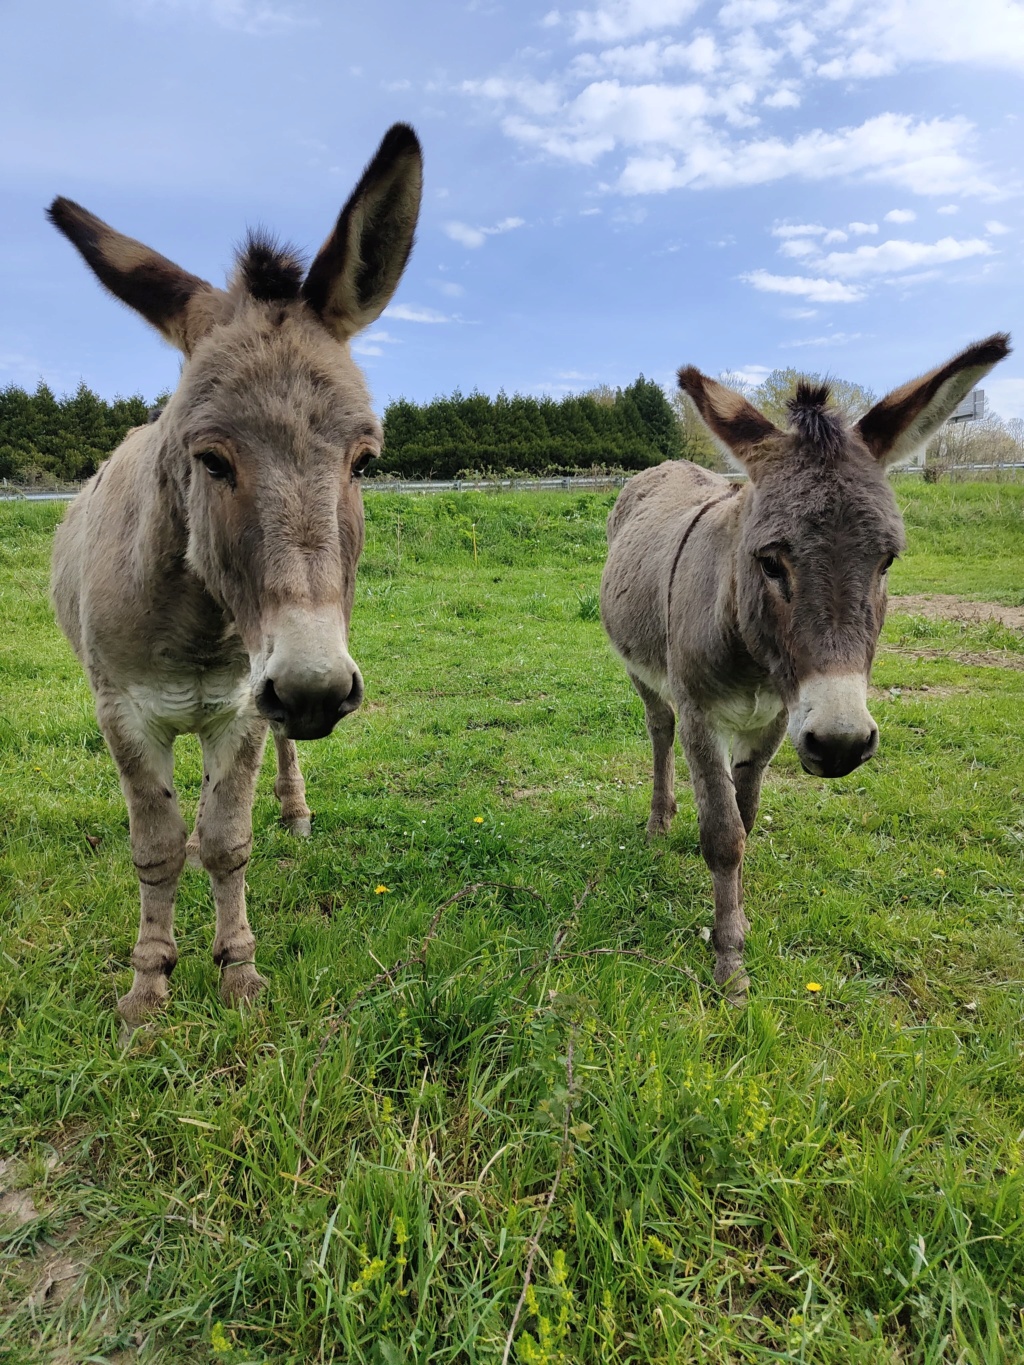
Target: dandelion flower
(478,819)
(379,890)
(937,872)
(813,986)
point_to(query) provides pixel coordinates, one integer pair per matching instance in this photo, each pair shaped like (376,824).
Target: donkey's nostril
(355,697)
(813,747)
(270,705)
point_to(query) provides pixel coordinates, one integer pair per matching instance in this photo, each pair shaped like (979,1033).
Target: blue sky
(626,187)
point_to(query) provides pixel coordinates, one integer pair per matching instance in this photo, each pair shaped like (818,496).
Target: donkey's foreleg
(661,726)
(751,754)
(232,762)
(722,839)
(157,834)
(290,789)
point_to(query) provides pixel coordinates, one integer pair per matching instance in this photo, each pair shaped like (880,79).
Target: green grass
(354,1170)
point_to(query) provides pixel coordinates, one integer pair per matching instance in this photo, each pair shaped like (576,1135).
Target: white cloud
(405,312)
(880,38)
(670,99)
(816,290)
(995,227)
(783,98)
(799,230)
(900,216)
(926,156)
(617,19)
(474,237)
(748,377)
(449,288)
(895,257)
(797,247)
(863,229)
(742,13)
(948,209)
(830,339)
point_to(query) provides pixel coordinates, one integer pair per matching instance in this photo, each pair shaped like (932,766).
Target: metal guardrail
(567,483)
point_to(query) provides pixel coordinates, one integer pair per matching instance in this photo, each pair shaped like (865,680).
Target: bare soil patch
(945,606)
(972,658)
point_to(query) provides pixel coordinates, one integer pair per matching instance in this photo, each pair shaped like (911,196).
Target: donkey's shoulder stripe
(704,507)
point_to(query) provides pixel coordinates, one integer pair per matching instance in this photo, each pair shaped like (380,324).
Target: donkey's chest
(746,712)
(207,703)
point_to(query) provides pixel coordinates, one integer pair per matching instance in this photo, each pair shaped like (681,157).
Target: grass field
(486,987)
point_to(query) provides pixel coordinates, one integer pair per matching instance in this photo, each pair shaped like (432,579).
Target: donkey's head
(819,530)
(271,426)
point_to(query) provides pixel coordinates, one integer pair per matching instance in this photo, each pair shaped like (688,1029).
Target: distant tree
(696,441)
(773,393)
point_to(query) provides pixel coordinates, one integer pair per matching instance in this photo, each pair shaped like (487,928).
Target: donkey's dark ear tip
(1001,342)
(690,378)
(401,140)
(60,211)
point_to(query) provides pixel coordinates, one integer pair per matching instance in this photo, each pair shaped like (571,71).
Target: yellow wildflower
(379,890)
(478,819)
(813,986)
(219,1339)
(937,872)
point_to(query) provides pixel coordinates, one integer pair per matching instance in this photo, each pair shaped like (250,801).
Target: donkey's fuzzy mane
(270,271)
(814,420)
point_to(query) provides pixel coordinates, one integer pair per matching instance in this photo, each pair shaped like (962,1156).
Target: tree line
(46,439)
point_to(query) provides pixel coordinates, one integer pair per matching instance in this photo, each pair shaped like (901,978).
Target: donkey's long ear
(179,305)
(358,268)
(894,428)
(727,414)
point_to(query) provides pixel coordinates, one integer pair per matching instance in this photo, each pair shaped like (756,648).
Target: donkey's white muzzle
(830,725)
(306,680)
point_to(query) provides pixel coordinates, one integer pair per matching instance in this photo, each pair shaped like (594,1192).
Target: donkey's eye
(361,462)
(215,465)
(888,564)
(772,567)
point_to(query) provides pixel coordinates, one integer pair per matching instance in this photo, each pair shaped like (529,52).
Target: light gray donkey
(747,610)
(205,574)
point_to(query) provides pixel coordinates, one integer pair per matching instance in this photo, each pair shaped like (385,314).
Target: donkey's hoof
(141,1003)
(659,824)
(240,982)
(299,826)
(731,975)
(192,852)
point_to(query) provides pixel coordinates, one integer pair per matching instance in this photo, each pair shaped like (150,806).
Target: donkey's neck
(162,480)
(166,579)
(745,594)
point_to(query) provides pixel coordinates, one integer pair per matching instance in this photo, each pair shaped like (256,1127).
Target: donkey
(747,611)
(205,575)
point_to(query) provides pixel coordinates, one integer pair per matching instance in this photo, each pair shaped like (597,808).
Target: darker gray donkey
(748,610)
(205,574)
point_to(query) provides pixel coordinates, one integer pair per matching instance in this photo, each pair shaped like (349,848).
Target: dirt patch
(943,606)
(918,691)
(61,1276)
(972,658)
(17,1207)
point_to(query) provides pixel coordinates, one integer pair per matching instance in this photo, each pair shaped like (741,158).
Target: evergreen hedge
(48,439)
